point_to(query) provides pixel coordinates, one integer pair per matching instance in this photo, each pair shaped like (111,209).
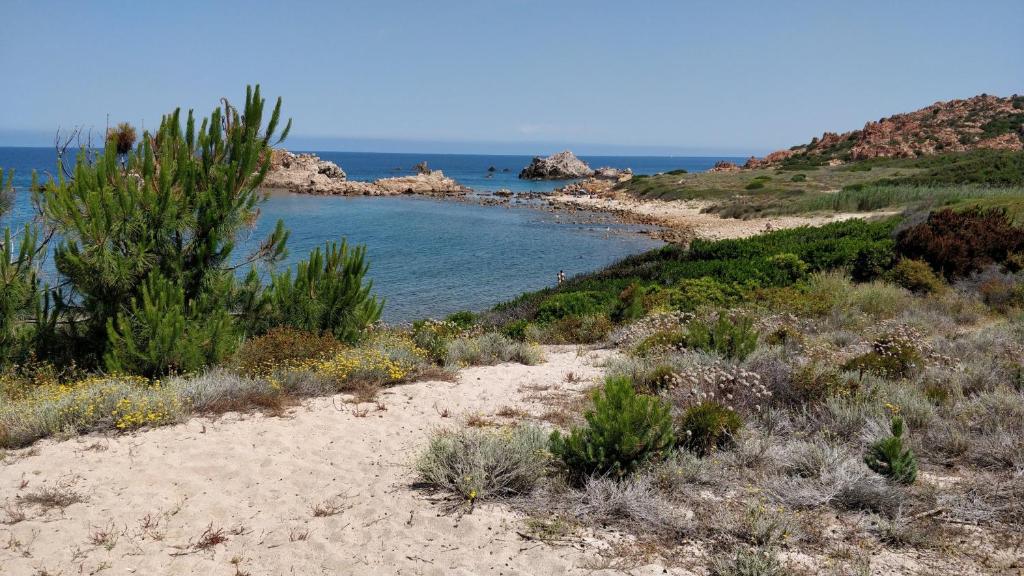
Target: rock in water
(308,174)
(561,166)
(304,173)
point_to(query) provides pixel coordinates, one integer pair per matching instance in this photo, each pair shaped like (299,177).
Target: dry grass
(60,495)
(210,538)
(105,537)
(330,507)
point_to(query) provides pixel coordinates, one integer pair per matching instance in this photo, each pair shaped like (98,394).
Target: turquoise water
(431,257)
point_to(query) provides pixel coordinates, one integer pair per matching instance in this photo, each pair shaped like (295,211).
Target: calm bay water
(430,257)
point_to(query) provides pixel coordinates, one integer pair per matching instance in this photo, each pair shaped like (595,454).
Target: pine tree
(888,457)
(145,253)
(328,294)
(624,429)
(173,213)
(20,291)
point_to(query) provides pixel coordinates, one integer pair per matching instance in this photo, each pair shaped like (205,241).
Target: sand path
(258,478)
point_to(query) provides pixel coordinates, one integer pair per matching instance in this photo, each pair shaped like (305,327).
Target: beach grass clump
(479,464)
(489,349)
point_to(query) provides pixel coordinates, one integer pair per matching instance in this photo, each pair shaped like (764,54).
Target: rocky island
(309,174)
(561,166)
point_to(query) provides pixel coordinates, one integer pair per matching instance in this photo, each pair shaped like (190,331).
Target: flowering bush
(733,387)
(387,358)
(93,403)
(281,347)
(896,354)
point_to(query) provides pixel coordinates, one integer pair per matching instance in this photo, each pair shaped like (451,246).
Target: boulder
(562,166)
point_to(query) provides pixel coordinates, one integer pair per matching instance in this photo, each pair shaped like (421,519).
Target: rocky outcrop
(609,173)
(562,166)
(308,174)
(983,121)
(769,160)
(724,166)
(433,183)
(304,173)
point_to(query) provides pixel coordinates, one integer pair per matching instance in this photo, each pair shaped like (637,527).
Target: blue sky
(521,76)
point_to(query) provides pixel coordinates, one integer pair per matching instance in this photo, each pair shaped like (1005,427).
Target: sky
(519,76)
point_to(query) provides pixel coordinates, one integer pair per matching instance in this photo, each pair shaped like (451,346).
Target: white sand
(687,216)
(258,477)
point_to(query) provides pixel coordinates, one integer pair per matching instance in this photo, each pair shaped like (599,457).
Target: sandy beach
(684,220)
(152,500)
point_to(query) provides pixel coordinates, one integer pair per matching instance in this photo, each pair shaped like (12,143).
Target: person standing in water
(561,277)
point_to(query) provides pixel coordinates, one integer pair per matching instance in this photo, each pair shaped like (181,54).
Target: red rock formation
(955,126)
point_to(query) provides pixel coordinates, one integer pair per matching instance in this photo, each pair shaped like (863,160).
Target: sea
(429,257)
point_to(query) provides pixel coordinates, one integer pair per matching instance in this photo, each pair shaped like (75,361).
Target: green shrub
(892,356)
(916,276)
(20,290)
(463,319)
(810,384)
(733,338)
(434,336)
(873,261)
(696,293)
(623,431)
(789,268)
(707,427)
(576,330)
(657,379)
(478,464)
(755,185)
(660,341)
(281,347)
(798,178)
(576,304)
(515,330)
(636,301)
(888,457)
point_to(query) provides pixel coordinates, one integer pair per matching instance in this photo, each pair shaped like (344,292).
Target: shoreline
(672,222)
(686,220)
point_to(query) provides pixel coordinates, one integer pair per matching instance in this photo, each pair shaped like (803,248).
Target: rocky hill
(975,123)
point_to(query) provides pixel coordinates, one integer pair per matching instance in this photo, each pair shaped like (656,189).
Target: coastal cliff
(309,174)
